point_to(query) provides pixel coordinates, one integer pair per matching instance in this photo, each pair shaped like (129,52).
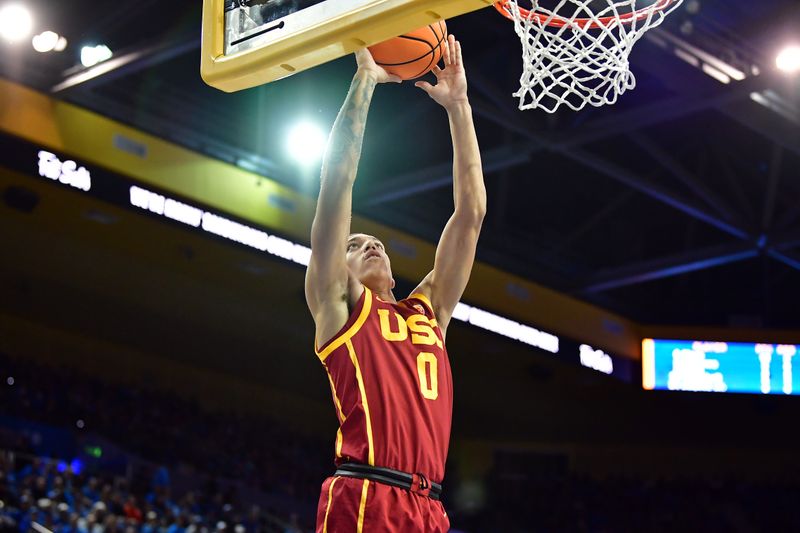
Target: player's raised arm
(326,278)
(455,253)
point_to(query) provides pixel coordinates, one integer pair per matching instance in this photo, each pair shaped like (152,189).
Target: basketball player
(385,359)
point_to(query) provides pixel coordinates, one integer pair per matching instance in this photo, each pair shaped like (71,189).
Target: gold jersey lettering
(395,329)
(386,328)
(421,331)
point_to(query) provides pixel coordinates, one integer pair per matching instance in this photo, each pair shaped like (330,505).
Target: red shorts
(350,505)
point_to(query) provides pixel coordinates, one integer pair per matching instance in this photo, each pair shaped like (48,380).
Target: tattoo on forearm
(348,130)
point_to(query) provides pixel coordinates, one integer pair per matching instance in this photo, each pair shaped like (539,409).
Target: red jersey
(391,384)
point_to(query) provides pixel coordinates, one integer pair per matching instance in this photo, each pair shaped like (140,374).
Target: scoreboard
(686,365)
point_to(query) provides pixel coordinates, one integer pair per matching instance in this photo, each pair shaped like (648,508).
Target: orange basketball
(412,54)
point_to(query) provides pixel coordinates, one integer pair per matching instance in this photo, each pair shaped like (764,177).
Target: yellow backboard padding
(373,23)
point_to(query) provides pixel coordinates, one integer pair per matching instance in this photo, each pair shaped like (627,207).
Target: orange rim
(602,22)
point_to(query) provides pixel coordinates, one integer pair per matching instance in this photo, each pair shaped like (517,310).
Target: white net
(576,53)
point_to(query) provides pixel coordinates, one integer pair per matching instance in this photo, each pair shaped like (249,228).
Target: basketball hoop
(576,53)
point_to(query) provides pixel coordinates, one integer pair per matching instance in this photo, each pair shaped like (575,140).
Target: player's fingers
(451,47)
(459,60)
(446,52)
(436,71)
(424,85)
(395,79)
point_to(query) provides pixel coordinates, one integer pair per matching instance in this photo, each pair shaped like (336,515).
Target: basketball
(412,54)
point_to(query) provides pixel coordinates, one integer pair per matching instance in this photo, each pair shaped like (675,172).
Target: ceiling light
(92,55)
(306,142)
(45,41)
(789,59)
(15,22)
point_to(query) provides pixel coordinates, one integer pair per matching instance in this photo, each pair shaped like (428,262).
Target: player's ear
(393,283)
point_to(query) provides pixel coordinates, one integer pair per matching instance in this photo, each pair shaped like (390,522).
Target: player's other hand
(451,81)
(367,64)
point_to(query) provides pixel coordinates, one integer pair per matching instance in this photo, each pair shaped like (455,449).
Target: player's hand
(451,81)
(367,64)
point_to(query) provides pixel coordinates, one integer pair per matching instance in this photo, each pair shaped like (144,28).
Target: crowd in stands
(38,492)
(167,430)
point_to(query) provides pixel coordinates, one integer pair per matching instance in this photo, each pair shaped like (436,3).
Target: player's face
(367,260)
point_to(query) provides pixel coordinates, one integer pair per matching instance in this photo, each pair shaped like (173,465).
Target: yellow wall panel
(91,137)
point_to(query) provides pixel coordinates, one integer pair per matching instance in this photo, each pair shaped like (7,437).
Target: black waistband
(417,483)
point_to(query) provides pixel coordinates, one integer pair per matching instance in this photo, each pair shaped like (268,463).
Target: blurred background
(157,372)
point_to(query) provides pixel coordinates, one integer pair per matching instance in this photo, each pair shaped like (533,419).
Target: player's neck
(383,293)
(380,288)
(386,296)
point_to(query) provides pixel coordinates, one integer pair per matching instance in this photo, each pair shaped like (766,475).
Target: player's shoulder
(421,295)
(420,302)
(336,324)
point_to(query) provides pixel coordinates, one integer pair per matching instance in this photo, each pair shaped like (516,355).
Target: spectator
(132,511)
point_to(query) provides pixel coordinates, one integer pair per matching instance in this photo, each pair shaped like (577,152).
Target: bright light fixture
(15,22)
(45,41)
(789,59)
(92,55)
(306,143)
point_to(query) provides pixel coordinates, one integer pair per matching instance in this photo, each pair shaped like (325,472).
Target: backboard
(251,42)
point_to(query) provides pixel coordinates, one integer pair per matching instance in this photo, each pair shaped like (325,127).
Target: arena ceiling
(677,205)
